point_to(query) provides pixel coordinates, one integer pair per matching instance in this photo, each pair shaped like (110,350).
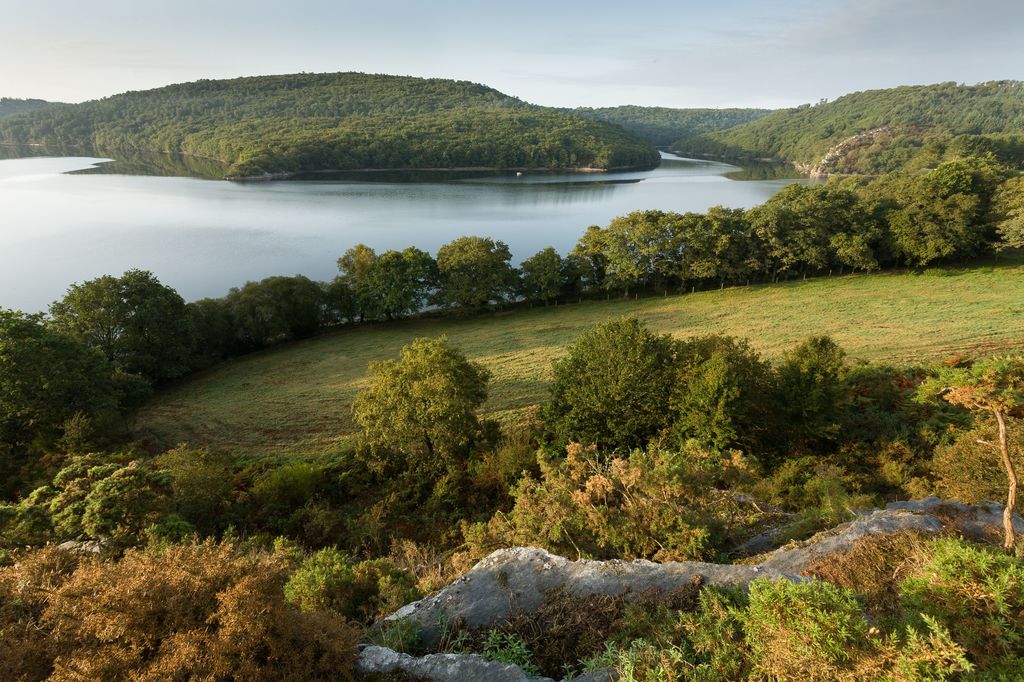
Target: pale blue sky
(682,53)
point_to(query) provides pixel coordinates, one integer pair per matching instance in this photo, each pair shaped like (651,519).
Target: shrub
(287,486)
(612,388)
(500,468)
(783,631)
(822,495)
(722,395)
(652,504)
(421,410)
(507,648)
(195,611)
(971,471)
(803,631)
(811,391)
(201,483)
(105,497)
(978,594)
(363,591)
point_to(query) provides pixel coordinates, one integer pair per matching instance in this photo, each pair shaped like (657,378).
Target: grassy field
(296,399)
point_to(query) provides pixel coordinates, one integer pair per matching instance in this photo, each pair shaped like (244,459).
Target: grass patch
(296,399)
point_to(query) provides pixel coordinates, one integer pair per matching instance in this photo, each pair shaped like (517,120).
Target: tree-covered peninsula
(339,121)
(877,131)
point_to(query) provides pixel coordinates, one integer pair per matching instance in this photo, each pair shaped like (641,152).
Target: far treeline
(340,121)
(9,105)
(879,131)
(663,126)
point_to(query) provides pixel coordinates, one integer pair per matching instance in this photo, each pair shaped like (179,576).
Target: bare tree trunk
(1011,498)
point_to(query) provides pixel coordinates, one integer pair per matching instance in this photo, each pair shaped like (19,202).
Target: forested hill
(16,106)
(876,131)
(306,122)
(663,126)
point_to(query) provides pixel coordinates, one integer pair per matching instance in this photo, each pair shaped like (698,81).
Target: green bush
(507,648)
(612,388)
(722,395)
(363,591)
(288,486)
(811,392)
(654,504)
(202,485)
(971,471)
(784,631)
(799,631)
(978,594)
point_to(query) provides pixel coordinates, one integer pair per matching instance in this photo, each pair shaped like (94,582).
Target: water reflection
(67,219)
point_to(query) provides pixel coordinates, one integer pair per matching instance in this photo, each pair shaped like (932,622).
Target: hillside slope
(296,399)
(340,121)
(877,131)
(10,106)
(661,126)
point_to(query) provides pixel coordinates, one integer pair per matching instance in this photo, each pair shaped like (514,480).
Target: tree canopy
(422,407)
(474,271)
(877,131)
(662,126)
(612,388)
(335,121)
(138,323)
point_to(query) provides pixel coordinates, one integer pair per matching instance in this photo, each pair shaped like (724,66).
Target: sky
(678,53)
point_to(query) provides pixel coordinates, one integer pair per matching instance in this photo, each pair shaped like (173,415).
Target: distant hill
(17,106)
(877,131)
(339,121)
(662,126)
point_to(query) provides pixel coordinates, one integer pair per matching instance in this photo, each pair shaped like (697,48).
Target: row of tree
(961,210)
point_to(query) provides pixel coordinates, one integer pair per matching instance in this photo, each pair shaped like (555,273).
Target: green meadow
(295,399)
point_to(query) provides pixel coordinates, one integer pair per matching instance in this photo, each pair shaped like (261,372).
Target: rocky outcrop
(828,163)
(376,660)
(930,515)
(518,579)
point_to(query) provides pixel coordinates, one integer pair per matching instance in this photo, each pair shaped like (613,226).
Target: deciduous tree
(473,271)
(422,407)
(612,388)
(995,387)
(543,276)
(140,325)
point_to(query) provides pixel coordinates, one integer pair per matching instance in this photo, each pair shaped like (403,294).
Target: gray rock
(842,538)
(440,667)
(976,521)
(517,579)
(930,515)
(82,546)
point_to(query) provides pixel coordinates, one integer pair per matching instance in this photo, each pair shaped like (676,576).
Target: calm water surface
(204,236)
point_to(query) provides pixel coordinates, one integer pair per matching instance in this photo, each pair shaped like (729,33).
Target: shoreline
(288,175)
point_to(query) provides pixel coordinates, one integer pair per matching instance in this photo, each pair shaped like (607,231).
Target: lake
(70,219)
